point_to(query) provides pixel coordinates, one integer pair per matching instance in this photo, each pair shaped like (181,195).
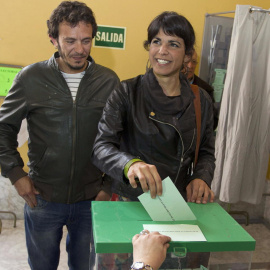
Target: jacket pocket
(36,160)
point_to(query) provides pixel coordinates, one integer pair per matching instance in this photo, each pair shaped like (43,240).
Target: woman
(148,128)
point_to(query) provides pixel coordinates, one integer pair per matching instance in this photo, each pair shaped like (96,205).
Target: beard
(67,63)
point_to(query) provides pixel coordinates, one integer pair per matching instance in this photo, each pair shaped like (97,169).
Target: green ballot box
(115,223)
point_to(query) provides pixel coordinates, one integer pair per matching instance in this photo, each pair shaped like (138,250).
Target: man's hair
(172,24)
(71,12)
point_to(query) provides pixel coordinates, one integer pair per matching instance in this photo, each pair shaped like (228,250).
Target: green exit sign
(110,37)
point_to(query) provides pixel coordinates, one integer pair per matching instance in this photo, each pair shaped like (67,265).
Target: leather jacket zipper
(74,128)
(74,139)
(192,164)
(182,155)
(74,136)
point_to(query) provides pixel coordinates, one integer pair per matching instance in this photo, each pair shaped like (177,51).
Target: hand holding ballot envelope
(171,206)
(147,175)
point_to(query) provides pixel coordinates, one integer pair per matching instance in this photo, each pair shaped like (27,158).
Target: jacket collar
(53,62)
(162,104)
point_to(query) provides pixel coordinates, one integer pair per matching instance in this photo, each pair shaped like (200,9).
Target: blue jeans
(44,231)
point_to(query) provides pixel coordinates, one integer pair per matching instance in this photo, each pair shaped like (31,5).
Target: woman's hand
(198,191)
(147,175)
(150,248)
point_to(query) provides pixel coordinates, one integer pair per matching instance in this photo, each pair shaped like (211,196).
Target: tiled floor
(13,255)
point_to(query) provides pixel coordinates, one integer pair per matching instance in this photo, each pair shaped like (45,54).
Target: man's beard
(67,63)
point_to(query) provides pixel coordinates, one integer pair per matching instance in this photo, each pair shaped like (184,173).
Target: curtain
(243,135)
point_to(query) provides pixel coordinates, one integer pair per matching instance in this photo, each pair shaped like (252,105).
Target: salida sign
(110,37)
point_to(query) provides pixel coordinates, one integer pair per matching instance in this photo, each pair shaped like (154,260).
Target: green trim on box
(115,223)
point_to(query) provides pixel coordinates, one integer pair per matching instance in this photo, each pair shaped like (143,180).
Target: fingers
(35,191)
(165,239)
(199,192)
(148,177)
(189,193)
(208,194)
(132,181)
(135,237)
(212,196)
(154,236)
(151,182)
(26,190)
(31,200)
(145,177)
(144,232)
(150,248)
(158,182)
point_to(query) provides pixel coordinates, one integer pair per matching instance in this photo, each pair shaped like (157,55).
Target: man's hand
(147,175)
(198,191)
(26,190)
(103,196)
(150,248)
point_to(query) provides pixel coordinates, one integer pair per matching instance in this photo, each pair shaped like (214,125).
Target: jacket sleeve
(106,151)
(12,112)
(206,158)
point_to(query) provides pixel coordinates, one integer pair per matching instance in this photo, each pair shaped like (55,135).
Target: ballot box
(227,245)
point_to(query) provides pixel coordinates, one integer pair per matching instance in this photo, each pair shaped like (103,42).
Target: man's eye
(85,42)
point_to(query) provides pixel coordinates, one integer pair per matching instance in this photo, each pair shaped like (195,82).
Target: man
(194,79)
(62,99)
(190,66)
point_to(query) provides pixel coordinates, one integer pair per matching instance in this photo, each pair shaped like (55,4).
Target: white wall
(10,200)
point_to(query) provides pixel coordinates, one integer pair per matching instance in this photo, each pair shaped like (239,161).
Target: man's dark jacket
(61,131)
(135,124)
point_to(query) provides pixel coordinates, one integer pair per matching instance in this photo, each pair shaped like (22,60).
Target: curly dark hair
(172,24)
(72,12)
